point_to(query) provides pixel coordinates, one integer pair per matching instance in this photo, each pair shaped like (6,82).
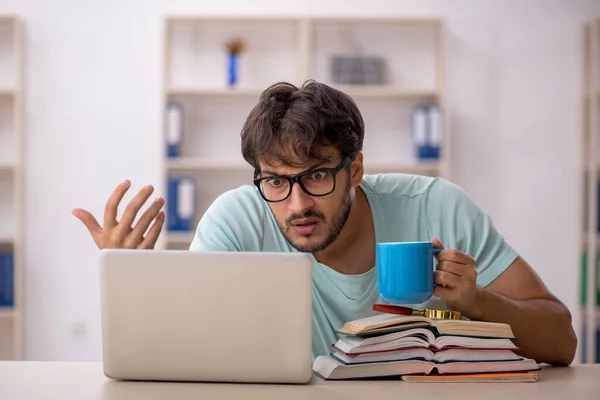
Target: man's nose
(299,200)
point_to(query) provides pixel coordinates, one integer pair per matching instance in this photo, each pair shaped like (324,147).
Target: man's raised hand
(122,234)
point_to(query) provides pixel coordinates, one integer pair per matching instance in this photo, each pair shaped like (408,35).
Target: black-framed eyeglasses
(316,182)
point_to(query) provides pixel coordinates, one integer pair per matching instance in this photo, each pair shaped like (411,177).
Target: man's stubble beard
(339,220)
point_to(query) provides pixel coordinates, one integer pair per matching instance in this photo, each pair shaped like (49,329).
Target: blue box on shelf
(6,280)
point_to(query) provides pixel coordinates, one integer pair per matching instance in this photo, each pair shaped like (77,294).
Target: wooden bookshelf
(294,50)
(12,332)
(590,183)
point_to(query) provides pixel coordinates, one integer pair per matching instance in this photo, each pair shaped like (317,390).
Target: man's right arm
(233,222)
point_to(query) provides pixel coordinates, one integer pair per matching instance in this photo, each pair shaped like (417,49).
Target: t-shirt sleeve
(454,218)
(233,222)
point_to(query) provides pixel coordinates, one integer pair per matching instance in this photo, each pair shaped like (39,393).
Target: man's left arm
(487,280)
(517,297)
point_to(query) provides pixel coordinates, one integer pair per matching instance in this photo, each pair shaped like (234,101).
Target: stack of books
(417,348)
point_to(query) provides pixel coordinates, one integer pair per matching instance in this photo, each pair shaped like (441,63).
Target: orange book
(507,377)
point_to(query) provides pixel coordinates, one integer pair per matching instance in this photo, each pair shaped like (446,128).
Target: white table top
(71,380)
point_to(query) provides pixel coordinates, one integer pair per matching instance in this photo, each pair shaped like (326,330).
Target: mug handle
(435,251)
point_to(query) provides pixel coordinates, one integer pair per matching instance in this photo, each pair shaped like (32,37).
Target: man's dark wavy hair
(301,120)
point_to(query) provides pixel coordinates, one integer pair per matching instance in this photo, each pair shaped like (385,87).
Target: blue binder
(427,131)
(6,280)
(181,204)
(174,129)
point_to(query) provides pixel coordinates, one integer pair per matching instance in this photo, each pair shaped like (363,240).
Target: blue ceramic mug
(405,271)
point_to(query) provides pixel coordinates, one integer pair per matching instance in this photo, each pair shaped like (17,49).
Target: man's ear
(357,169)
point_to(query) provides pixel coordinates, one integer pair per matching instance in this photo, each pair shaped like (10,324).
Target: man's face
(311,223)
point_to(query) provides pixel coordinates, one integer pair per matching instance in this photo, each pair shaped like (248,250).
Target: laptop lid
(206,316)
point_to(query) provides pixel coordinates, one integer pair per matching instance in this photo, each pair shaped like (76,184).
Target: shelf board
(343,19)
(589,94)
(6,240)
(5,166)
(179,237)
(7,312)
(358,91)
(199,163)
(415,168)
(220,92)
(229,18)
(385,92)
(584,314)
(584,239)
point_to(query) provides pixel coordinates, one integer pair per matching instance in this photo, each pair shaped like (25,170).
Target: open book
(331,368)
(418,337)
(444,356)
(386,323)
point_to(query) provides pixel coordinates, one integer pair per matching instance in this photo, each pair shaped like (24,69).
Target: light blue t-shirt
(404,208)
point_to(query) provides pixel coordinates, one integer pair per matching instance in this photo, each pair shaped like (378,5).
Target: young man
(310,195)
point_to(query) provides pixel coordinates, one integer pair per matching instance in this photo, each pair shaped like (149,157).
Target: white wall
(93,119)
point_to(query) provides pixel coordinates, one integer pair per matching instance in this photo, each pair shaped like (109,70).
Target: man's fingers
(88,220)
(455,256)
(136,236)
(112,205)
(447,279)
(90,223)
(146,219)
(451,254)
(150,240)
(134,207)
(442,292)
(455,268)
(436,243)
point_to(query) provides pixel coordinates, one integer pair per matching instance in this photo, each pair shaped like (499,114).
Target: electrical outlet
(78,329)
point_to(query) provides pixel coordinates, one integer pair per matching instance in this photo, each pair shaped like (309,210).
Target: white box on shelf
(409,48)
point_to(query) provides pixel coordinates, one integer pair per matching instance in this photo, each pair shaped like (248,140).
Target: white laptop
(177,315)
